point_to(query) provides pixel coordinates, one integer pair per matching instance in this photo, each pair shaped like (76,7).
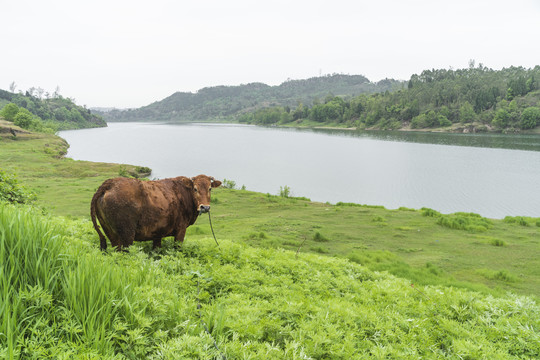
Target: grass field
(62,299)
(63,186)
(418,245)
(292,279)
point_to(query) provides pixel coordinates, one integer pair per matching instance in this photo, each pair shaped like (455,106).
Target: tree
(12,87)
(501,119)
(23,118)
(9,111)
(531,84)
(530,118)
(419,122)
(62,114)
(443,121)
(299,113)
(466,113)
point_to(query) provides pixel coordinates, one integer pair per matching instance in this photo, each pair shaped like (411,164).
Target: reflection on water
(485,140)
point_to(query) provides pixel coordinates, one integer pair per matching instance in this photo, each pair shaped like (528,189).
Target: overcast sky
(129,53)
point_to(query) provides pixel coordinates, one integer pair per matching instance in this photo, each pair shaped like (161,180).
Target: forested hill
(472,99)
(225,102)
(46,113)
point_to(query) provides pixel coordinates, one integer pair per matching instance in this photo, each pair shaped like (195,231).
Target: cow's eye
(210,189)
(196,190)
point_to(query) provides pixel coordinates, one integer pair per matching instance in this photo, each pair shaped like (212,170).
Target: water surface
(493,175)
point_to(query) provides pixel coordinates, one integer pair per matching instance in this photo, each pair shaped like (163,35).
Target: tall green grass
(30,273)
(62,298)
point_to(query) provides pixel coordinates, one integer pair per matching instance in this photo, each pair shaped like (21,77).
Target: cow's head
(201,186)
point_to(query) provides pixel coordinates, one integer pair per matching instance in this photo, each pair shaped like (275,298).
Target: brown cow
(133,210)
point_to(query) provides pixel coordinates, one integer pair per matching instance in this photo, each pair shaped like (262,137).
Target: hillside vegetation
(36,112)
(466,100)
(226,102)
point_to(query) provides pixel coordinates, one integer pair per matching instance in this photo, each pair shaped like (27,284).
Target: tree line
(35,112)
(227,102)
(476,97)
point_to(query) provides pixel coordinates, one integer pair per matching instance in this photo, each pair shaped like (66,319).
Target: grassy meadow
(292,279)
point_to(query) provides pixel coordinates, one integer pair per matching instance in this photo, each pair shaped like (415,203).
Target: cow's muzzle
(203,209)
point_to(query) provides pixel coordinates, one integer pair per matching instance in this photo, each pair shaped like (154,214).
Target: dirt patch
(8,129)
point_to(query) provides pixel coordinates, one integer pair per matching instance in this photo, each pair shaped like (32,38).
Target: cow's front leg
(179,237)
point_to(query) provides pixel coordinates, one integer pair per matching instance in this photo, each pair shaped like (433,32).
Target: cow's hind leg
(126,237)
(115,241)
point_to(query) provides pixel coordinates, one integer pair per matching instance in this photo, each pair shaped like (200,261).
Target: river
(492,175)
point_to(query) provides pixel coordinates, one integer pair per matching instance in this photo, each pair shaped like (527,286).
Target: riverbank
(490,256)
(474,128)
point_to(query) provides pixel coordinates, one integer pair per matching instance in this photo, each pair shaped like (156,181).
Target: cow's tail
(99,193)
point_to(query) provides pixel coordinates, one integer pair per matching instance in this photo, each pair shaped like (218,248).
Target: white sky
(129,53)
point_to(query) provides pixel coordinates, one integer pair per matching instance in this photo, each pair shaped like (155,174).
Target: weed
(497,242)
(12,191)
(143,170)
(461,221)
(501,275)
(430,212)
(403,208)
(319,249)
(318,237)
(228,184)
(123,172)
(520,220)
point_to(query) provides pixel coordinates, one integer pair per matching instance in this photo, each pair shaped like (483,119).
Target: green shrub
(284,191)
(461,221)
(9,111)
(530,117)
(501,275)
(429,212)
(143,170)
(497,242)
(13,192)
(318,237)
(123,172)
(23,119)
(465,221)
(228,184)
(519,220)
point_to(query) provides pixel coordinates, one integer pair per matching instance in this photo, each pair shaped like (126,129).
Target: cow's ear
(216,183)
(187,182)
